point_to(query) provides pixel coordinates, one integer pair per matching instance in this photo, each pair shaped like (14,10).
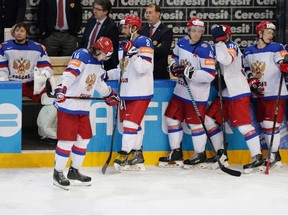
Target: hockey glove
(60,92)
(177,71)
(188,72)
(218,34)
(256,87)
(284,68)
(128,47)
(112,99)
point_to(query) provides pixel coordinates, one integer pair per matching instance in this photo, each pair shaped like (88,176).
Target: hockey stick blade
(230,171)
(49,90)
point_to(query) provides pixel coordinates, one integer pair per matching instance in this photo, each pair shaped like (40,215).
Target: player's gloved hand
(256,87)
(128,47)
(188,72)
(60,92)
(284,68)
(177,71)
(112,99)
(218,33)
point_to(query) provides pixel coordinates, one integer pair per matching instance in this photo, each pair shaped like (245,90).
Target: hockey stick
(104,168)
(222,109)
(49,90)
(221,166)
(275,118)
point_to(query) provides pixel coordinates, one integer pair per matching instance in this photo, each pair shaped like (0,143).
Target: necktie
(94,34)
(60,14)
(151,31)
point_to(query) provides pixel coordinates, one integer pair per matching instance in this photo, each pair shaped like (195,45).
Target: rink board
(155,142)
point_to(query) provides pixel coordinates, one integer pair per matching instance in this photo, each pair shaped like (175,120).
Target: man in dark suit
(60,22)
(162,37)
(11,12)
(101,25)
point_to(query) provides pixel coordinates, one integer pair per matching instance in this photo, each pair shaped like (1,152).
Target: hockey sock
(129,135)
(175,132)
(215,133)
(199,137)
(139,139)
(267,128)
(62,153)
(79,152)
(252,139)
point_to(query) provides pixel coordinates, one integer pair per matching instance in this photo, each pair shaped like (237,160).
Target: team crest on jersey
(21,67)
(204,45)
(258,69)
(185,62)
(123,64)
(90,81)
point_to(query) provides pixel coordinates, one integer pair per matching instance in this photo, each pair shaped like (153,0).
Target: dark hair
(157,7)
(106,5)
(22,24)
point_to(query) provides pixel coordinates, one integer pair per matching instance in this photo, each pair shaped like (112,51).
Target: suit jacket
(14,12)
(47,16)
(162,40)
(107,29)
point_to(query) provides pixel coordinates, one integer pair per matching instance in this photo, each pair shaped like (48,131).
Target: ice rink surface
(156,191)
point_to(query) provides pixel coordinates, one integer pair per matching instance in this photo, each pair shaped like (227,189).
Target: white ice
(156,191)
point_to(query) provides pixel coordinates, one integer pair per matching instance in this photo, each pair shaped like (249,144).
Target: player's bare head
(20,32)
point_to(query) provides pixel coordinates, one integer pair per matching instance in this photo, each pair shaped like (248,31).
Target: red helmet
(104,44)
(264,25)
(132,20)
(195,22)
(227,29)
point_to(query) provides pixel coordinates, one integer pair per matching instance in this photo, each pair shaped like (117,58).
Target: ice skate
(257,161)
(212,162)
(197,161)
(60,180)
(275,162)
(174,159)
(135,161)
(120,161)
(77,178)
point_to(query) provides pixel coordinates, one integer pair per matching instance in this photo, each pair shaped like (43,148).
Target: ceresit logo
(10,120)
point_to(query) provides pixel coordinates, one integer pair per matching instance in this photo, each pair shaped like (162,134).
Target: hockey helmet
(195,22)
(105,45)
(264,25)
(132,20)
(227,29)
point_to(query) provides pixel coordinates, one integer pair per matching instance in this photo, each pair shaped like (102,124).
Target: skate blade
(136,167)
(171,164)
(278,165)
(196,166)
(74,182)
(66,188)
(118,168)
(214,166)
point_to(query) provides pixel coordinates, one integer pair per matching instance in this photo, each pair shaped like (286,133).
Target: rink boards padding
(29,159)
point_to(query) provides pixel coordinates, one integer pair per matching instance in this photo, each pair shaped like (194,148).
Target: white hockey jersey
(201,57)
(264,65)
(83,75)
(229,57)
(137,80)
(17,61)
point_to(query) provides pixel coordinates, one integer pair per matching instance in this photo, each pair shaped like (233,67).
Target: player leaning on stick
(136,91)
(195,59)
(83,75)
(236,100)
(262,62)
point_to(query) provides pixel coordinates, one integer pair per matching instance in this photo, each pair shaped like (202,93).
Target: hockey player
(83,75)
(236,101)
(195,59)
(262,62)
(136,91)
(18,59)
